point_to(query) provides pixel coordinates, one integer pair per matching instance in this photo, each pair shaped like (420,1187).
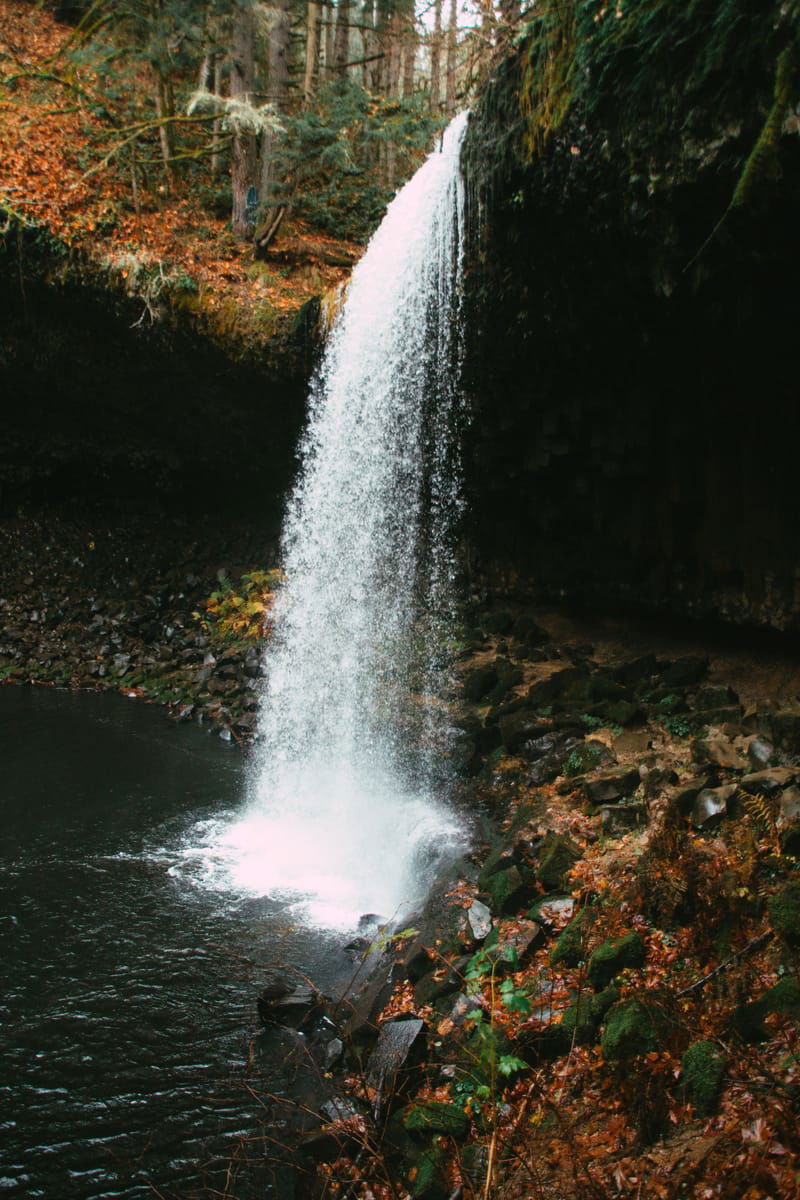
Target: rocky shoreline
(116,607)
(603,999)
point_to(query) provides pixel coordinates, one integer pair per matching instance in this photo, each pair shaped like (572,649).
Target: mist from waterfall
(354,730)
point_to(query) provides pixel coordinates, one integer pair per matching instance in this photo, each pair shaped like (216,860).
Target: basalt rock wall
(110,400)
(632,335)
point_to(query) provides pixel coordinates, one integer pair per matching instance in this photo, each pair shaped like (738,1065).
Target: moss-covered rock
(587,756)
(479,682)
(508,890)
(582,1019)
(702,1072)
(557,854)
(570,948)
(432,1117)
(784,913)
(632,1028)
(429,1182)
(747,1020)
(614,956)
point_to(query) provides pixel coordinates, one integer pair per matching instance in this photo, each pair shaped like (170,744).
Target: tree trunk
(165,107)
(409,52)
(342,47)
(394,56)
(312,52)
(450,70)
(243,166)
(277,95)
(369,44)
(436,56)
(330,19)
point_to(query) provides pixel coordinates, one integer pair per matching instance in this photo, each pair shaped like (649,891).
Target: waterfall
(354,732)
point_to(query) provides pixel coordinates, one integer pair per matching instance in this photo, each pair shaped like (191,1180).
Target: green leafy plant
(240,615)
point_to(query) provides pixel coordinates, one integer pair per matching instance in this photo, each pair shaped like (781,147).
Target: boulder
(508,891)
(708,699)
(480,920)
(614,956)
(632,1028)
(479,682)
(718,751)
(702,1072)
(527,630)
(285,1002)
(436,985)
(513,942)
(400,1046)
(711,805)
(570,949)
(508,675)
(789,805)
(769,782)
(431,1118)
(586,756)
(430,1181)
(609,787)
(556,856)
(684,796)
(499,622)
(623,818)
(636,672)
(543,693)
(784,913)
(761,753)
(581,1021)
(552,910)
(747,1020)
(524,726)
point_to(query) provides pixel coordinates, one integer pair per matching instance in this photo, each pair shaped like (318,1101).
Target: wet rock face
(621,396)
(110,408)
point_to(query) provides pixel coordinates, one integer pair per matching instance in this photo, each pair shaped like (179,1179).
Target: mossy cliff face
(634,185)
(124,395)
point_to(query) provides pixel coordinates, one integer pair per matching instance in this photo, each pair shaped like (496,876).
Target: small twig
(756,942)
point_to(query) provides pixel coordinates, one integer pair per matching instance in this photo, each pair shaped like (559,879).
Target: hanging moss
(763,160)
(546,72)
(662,65)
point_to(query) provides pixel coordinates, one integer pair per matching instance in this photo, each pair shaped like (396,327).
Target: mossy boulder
(545,691)
(614,956)
(784,913)
(508,890)
(479,682)
(702,1073)
(582,1019)
(585,757)
(570,947)
(632,1028)
(430,1182)
(432,1117)
(557,855)
(748,1019)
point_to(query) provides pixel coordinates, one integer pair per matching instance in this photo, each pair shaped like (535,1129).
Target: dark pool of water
(127,1001)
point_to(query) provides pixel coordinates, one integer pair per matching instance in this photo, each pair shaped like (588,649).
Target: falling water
(354,732)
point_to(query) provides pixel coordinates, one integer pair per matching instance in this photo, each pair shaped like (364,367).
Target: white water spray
(354,733)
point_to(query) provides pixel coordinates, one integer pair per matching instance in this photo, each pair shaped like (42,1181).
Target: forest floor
(64,167)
